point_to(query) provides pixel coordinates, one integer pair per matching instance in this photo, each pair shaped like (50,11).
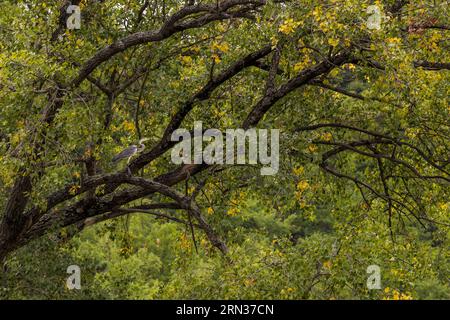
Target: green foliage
(309,232)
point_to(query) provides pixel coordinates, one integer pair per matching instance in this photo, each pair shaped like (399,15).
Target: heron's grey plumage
(130,151)
(127,153)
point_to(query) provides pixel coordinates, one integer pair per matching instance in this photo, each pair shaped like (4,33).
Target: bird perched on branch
(130,152)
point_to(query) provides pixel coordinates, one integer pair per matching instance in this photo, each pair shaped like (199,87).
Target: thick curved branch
(203,94)
(211,12)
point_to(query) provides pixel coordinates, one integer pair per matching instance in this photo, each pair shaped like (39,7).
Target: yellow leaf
(302,185)
(216,58)
(186,59)
(327,265)
(327,136)
(312,148)
(298,171)
(289,26)
(74,189)
(333,42)
(129,126)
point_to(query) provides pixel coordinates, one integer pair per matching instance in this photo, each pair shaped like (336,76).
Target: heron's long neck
(141,147)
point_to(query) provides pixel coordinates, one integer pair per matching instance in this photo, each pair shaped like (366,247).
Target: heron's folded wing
(128,152)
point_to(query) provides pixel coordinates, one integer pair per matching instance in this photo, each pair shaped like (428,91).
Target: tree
(366,106)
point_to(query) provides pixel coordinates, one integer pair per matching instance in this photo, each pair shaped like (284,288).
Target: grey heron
(130,152)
